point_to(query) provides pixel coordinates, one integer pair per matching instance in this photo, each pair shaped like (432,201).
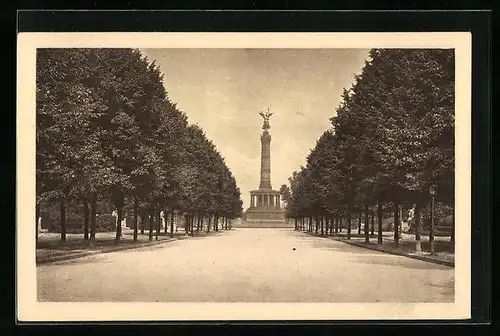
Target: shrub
(105,223)
(52,221)
(75,222)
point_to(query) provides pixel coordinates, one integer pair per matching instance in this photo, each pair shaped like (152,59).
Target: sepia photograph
(195,176)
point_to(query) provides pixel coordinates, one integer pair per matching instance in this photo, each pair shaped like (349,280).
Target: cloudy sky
(223,91)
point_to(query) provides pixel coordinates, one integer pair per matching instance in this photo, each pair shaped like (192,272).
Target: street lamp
(432,192)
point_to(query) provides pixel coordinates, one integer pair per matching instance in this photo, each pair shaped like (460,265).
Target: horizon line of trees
(391,139)
(106,129)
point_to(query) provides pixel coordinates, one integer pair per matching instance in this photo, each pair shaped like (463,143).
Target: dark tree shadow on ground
(393,260)
(100,243)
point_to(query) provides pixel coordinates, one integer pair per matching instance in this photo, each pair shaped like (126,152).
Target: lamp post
(432,192)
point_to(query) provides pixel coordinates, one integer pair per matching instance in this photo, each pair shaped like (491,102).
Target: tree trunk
(348,224)
(331,223)
(418,228)
(192,224)
(86,218)
(151,223)
(209,222)
(336,224)
(93,220)
(172,214)
(136,208)
(119,211)
(367,226)
(341,223)
(62,209)
(373,224)
(396,223)
(322,226)
(431,229)
(179,219)
(165,220)
(144,217)
(379,222)
(158,223)
(400,229)
(359,222)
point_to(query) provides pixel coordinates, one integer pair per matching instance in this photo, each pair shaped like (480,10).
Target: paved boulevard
(247,265)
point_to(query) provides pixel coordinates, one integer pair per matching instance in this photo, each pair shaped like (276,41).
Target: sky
(223,91)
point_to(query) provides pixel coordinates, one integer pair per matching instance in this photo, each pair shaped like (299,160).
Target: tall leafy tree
(392,137)
(107,129)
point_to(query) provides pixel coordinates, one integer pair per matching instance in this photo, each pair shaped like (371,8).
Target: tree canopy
(392,137)
(106,128)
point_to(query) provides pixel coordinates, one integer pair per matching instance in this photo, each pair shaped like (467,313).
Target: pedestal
(124,224)
(265,210)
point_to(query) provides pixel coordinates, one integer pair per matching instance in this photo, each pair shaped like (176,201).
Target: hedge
(75,222)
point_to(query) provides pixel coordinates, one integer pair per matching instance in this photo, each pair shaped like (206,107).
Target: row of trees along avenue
(391,139)
(106,129)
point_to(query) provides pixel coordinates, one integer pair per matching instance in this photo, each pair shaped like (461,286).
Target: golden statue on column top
(266,117)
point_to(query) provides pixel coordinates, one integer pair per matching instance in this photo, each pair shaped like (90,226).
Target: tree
(392,136)
(107,129)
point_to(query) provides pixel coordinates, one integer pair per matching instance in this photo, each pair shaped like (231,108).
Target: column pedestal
(266,209)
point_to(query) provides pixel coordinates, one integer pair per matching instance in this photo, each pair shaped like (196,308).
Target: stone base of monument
(264,224)
(263,218)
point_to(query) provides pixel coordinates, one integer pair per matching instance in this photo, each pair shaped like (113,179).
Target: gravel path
(247,265)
